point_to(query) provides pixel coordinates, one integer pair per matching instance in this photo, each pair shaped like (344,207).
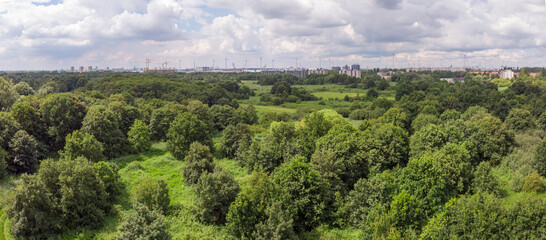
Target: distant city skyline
(57,34)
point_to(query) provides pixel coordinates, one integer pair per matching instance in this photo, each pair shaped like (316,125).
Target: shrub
(215,193)
(484,180)
(534,183)
(199,160)
(80,144)
(186,129)
(24,152)
(153,194)
(278,226)
(139,136)
(144,224)
(235,139)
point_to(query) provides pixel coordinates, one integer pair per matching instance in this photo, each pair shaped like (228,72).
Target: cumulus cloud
(55,34)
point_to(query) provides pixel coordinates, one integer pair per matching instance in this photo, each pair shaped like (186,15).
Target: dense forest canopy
(252,156)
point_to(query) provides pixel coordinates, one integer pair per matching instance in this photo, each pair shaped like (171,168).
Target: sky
(57,34)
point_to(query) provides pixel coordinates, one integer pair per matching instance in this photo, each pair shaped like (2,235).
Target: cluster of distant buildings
(506,74)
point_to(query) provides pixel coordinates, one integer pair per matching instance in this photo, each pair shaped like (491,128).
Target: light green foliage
(540,157)
(422,120)
(395,116)
(450,114)
(223,116)
(8,94)
(8,127)
(502,82)
(62,113)
(405,211)
(534,183)
(349,150)
(278,226)
(152,193)
(249,208)
(139,136)
(433,137)
(235,139)
(24,151)
(519,119)
(305,191)
(485,181)
(199,161)
(278,146)
(436,178)
(80,144)
(186,129)
(144,224)
(367,194)
(388,146)
(24,89)
(63,194)
(489,136)
(215,193)
(102,123)
(482,216)
(541,121)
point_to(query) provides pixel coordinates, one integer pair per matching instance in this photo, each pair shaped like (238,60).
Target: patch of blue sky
(52,2)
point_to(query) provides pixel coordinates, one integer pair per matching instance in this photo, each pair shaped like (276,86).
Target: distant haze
(57,34)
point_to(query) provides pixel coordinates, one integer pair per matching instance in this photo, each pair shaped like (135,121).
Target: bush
(153,194)
(235,139)
(64,194)
(199,160)
(24,152)
(278,225)
(186,129)
(519,119)
(305,191)
(484,180)
(102,123)
(4,156)
(139,136)
(144,224)
(215,193)
(540,157)
(534,183)
(80,144)
(249,207)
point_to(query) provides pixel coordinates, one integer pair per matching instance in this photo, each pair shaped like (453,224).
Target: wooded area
(251,156)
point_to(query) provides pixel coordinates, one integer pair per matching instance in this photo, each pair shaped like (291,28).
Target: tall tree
(62,113)
(102,123)
(186,129)
(8,94)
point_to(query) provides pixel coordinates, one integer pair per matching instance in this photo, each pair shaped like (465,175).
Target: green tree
(160,122)
(4,156)
(186,129)
(8,94)
(540,156)
(305,191)
(64,194)
(388,146)
(406,211)
(485,181)
(199,160)
(235,139)
(102,123)
(80,144)
(519,119)
(249,208)
(8,127)
(534,183)
(396,116)
(152,193)
(223,116)
(22,88)
(215,193)
(372,93)
(24,152)
(139,136)
(29,119)
(62,113)
(423,120)
(278,226)
(126,114)
(144,224)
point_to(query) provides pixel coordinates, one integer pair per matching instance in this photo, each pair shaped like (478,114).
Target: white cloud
(124,32)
